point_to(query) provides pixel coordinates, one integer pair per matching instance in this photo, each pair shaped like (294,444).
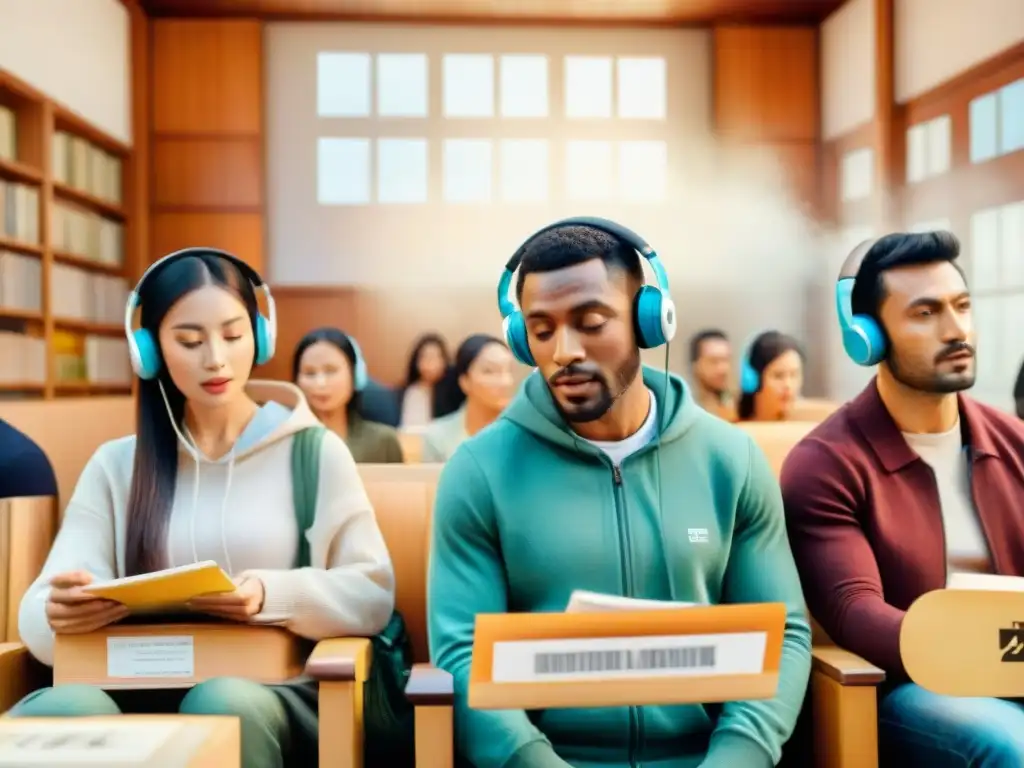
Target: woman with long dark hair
(422,397)
(330,371)
(478,388)
(208,477)
(772,375)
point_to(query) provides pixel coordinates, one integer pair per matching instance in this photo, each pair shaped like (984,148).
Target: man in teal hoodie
(606,476)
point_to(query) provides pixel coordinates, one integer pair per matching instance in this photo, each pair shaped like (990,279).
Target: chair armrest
(341,660)
(16,674)
(844,667)
(429,686)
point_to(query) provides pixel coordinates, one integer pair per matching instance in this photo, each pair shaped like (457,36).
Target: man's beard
(596,407)
(933,381)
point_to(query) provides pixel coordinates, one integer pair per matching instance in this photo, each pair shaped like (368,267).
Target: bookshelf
(65,253)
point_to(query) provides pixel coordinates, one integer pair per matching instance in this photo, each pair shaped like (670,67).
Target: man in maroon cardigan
(910,481)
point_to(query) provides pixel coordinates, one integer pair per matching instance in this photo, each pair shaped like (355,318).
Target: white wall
(74,51)
(848,68)
(936,40)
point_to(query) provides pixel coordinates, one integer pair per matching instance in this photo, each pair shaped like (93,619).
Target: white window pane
(588,86)
(642,88)
(938,145)
(1011,250)
(987,315)
(524,170)
(985,250)
(1012,343)
(1011,117)
(342,84)
(983,128)
(932,226)
(401,170)
(402,85)
(468,85)
(588,170)
(917,153)
(643,170)
(524,86)
(857,175)
(467,170)
(343,171)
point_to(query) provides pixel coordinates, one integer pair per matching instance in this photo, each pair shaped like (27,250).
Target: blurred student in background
(481,385)
(329,368)
(1018,392)
(771,377)
(711,368)
(428,364)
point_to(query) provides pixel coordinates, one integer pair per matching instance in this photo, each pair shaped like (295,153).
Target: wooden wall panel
(207,168)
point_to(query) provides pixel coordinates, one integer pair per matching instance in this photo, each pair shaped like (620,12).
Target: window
(343,171)
(641,88)
(1011,247)
(857,174)
(468,85)
(402,170)
(524,170)
(986,311)
(402,85)
(643,171)
(467,170)
(928,149)
(343,84)
(524,86)
(985,250)
(997,122)
(588,170)
(588,86)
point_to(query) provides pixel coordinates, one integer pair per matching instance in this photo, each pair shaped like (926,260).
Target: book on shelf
(19,212)
(76,294)
(21,282)
(86,167)
(24,358)
(86,234)
(88,359)
(165,591)
(8,134)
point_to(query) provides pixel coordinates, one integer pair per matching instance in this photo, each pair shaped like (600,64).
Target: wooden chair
(844,696)
(412,446)
(813,409)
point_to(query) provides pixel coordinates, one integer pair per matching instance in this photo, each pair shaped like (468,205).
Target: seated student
(208,477)
(24,468)
(1018,392)
(329,368)
(771,377)
(482,385)
(711,365)
(421,397)
(564,491)
(907,483)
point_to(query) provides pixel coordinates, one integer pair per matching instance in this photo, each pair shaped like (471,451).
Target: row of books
(79,295)
(21,282)
(24,358)
(86,167)
(86,234)
(19,212)
(8,134)
(92,359)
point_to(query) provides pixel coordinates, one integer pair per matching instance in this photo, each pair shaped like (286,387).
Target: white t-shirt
(618,450)
(966,548)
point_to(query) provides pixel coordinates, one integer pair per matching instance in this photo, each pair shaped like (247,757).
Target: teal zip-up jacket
(526,512)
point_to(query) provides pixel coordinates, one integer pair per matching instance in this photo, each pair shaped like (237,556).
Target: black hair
(155,470)
(438,405)
(343,342)
(571,245)
(469,350)
(899,249)
(1018,392)
(764,350)
(698,339)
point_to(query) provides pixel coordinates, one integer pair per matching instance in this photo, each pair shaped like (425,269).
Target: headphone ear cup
(516,337)
(264,343)
(148,363)
(864,341)
(649,316)
(750,380)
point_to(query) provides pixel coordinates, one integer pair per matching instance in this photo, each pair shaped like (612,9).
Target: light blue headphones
(142,347)
(654,314)
(360,377)
(863,338)
(750,379)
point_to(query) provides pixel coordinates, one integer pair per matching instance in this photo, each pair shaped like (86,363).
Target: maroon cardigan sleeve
(825,503)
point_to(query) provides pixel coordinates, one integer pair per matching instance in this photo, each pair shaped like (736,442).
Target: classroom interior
(377,161)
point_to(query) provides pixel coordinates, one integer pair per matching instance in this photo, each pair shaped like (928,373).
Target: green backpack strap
(305,484)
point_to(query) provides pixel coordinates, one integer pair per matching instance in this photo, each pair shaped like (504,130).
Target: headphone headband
(863,338)
(851,266)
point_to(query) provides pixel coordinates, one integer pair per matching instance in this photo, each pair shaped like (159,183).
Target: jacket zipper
(636,715)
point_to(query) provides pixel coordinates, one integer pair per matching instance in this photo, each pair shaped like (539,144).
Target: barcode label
(736,653)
